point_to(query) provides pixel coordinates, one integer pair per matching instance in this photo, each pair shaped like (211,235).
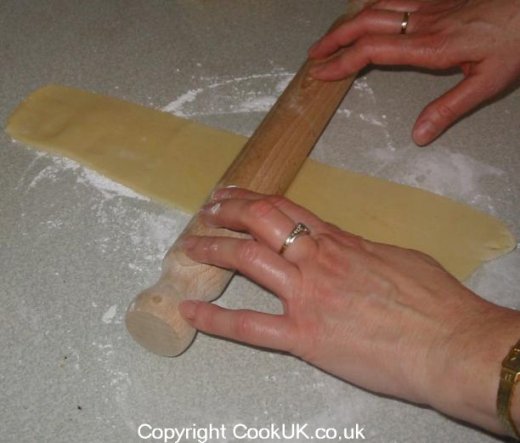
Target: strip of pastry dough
(178,161)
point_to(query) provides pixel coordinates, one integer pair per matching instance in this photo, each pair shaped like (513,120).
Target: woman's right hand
(388,319)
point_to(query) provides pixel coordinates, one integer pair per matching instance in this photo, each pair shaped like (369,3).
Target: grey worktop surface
(75,247)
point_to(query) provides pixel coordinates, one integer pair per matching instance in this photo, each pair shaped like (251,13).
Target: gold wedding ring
(299,229)
(404,22)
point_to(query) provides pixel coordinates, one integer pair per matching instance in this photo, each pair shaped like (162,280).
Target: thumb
(443,112)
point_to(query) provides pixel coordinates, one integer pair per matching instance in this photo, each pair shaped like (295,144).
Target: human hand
(387,319)
(481,37)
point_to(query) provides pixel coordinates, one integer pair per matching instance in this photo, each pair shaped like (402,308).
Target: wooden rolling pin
(267,163)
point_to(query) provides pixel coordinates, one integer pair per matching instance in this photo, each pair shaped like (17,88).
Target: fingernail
(211,208)
(222,193)
(424,133)
(188,309)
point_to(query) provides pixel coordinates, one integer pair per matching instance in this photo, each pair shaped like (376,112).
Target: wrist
(466,382)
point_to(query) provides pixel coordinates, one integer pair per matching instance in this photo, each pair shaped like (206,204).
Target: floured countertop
(76,247)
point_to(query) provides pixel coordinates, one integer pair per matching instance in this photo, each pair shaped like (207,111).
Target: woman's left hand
(481,37)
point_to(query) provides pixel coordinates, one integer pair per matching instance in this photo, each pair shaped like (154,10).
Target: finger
(237,193)
(399,5)
(369,21)
(263,220)
(250,258)
(440,6)
(296,212)
(300,214)
(253,328)
(443,112)
(416,50)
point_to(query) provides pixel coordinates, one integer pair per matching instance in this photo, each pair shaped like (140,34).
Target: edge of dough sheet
(178,161)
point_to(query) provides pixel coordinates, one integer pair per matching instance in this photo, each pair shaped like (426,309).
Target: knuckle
(331,227)
(352,240)
(202,318)
(445,113)
(436,48)
(428,259)
(327,240)
(367,245)
(278,201)
(365,15)
(260,208)
(338,66)
(333,40)
(358,243)
(365,49)
(366,43)
(242,326)
(210,248)
(381,4)
(248,252)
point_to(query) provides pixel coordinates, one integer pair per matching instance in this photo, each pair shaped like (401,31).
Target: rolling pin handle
(154,321)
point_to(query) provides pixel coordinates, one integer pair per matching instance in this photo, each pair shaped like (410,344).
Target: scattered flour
(120,223)
(257,93)
(108,316)
(444,170)
(181,101)
(88,177)
(452,174)
(235,95)
(361,85)
(372,119)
